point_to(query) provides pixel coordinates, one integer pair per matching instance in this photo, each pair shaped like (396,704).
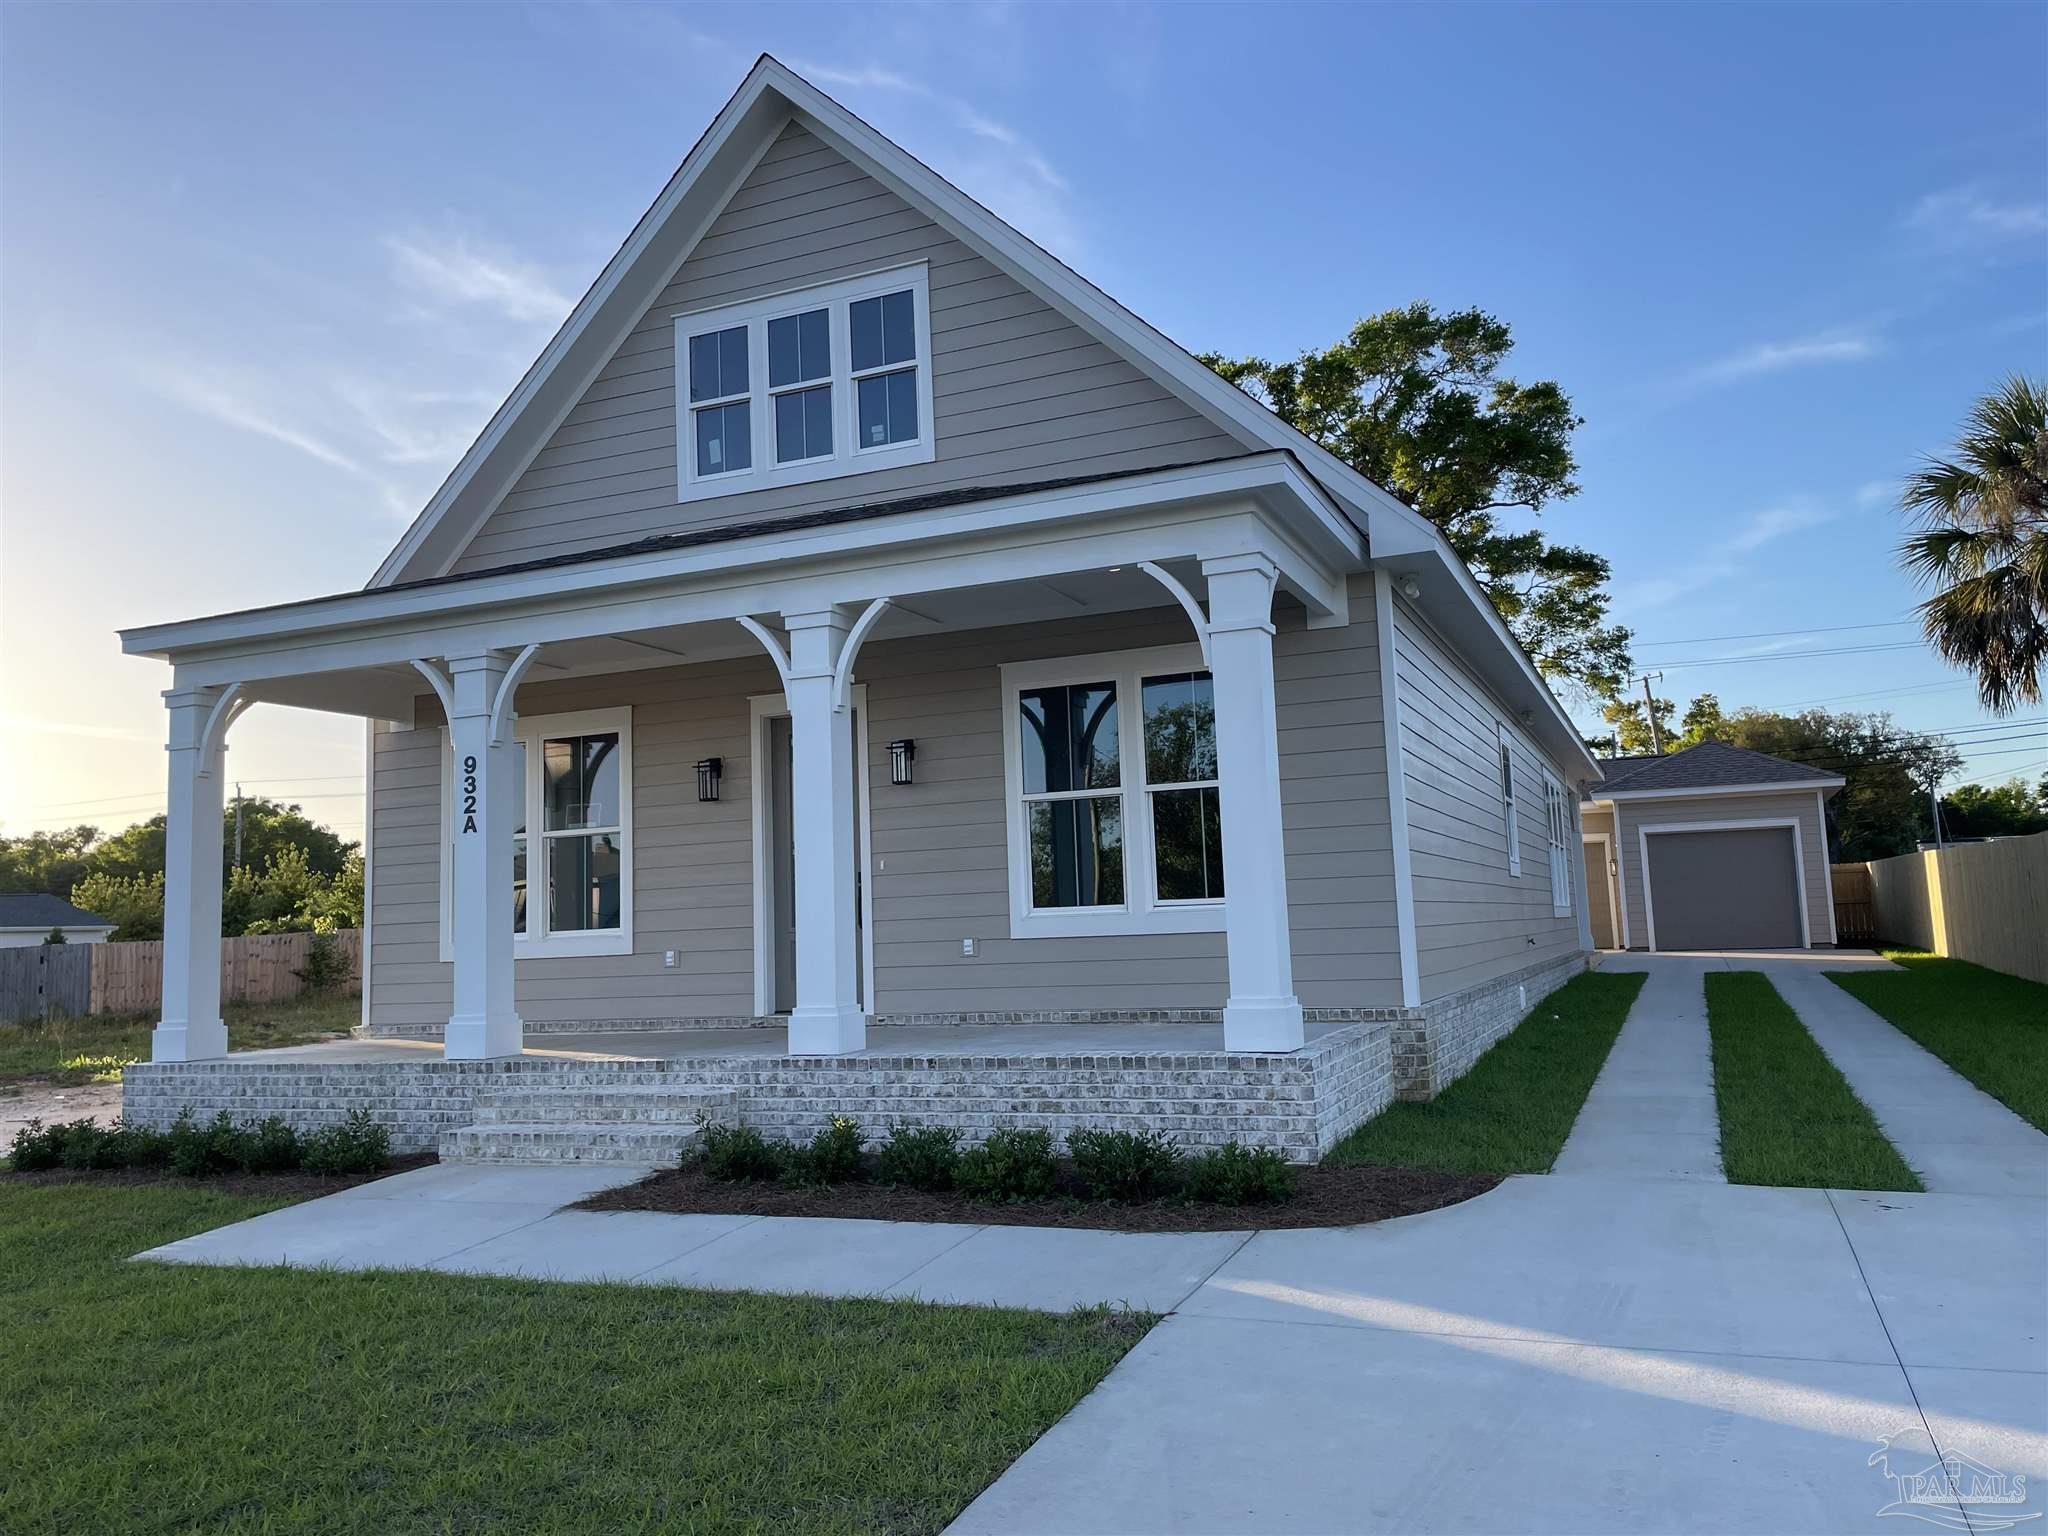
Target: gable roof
(1709,767)
(39,909)
(715,167)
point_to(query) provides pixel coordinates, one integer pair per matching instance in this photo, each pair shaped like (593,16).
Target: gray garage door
(1725,890)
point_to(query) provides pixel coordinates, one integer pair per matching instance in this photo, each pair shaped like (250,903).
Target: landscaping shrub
(920,1157)
(82,1145)
(738,1153)
(1010,1165)
(833,1157)
(38,1147)
(1130,1166)
(219,1146)
(327,967)
(272,1147)
(357,1145)
(1234,1174)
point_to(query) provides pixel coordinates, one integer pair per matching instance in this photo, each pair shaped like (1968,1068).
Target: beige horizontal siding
(1019,393)
(1473,920)
(939,857)
(1802,805)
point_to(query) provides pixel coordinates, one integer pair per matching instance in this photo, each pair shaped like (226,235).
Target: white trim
(1186,599)
(761,708)
(1820,814)
(849,651)
(1612,795)
(1510,796)
(369,852)
(508,688)
(1611,876)
(1557,827)
(1397,790)
(1645,833)
(848,457)
(531,729)
(1141,910)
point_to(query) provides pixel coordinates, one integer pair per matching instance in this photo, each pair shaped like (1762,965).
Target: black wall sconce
(709,772)
(901,755)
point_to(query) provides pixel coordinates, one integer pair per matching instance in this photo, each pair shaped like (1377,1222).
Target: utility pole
(1650,709)
(238,826)
(1934,799)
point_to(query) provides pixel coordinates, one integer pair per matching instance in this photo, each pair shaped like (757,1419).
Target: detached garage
(1715,847)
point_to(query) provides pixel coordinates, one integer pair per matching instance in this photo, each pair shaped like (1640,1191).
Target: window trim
(532,729)
(848,457)
(1511,821)
(1558,814)
(1142,911)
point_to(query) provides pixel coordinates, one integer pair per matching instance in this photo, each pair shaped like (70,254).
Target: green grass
(1512,1112)
(1788,1117)
(1991,1027)
(144,1397)
(66,1052)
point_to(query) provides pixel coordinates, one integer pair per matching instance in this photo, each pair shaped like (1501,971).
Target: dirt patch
(40,1099)
(293,1186)
(1327,1197)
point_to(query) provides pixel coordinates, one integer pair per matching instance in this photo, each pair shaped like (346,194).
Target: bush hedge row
(204,1149)
(1129,1167)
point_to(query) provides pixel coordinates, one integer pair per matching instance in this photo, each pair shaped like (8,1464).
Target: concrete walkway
(1958,1138)
(1571,1354)
(480,1219)
(1651,1114)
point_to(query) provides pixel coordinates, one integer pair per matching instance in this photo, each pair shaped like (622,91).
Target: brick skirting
(1436,1044)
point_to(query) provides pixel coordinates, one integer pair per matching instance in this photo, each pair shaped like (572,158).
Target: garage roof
(1709,767)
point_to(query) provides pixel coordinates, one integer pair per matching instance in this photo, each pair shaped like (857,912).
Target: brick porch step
(556,1141)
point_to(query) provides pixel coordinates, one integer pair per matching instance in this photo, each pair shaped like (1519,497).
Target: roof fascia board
(1781,787)
(1329,548)
(747,126)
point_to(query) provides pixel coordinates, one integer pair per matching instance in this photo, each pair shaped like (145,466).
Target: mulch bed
(1325,1197)
(305,1186)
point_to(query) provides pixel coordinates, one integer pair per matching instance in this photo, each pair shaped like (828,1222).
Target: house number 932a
(469,793)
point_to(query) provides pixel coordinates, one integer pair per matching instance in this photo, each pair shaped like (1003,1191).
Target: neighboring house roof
(709,175)
(1709,768)
(38,909)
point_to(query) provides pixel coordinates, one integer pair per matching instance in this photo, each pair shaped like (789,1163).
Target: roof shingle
(39,909)
(1707,767)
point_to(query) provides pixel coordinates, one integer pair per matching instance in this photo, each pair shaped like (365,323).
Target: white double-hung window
(572,842)
(1560,822)
(805,385)
(1115,823)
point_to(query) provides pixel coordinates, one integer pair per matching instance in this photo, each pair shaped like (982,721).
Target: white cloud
(453,272)
(1873,493)
(232,405)
(1969,215)
(1778,356)
(1725,559)
(1774,523)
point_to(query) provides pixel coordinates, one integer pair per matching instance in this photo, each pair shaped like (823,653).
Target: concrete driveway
(1572,1355)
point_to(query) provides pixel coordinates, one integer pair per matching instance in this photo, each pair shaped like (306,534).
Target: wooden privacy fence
(1985,902)
(1855,916)
(129,978)
(38,980)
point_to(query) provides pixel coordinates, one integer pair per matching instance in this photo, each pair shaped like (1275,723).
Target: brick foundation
(1436,1044)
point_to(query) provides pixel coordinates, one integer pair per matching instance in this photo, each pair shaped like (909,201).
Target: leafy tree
(1415,401)
(1883,808)
(1702,720)
(55,936)
(1631,736)
(134,904)
(268,828)
(1982,543)
(2011,809)
(51,862)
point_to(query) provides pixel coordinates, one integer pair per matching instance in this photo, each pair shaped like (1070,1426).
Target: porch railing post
(1262,1013)
(484,811)
(189,1025)
(827,1019)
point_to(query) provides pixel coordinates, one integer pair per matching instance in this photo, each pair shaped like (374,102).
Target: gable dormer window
(805,386)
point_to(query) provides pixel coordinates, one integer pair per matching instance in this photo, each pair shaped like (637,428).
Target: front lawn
(1512,1112)
(1991,1027)
(166,1398)
(66,1052)
(1788,1117)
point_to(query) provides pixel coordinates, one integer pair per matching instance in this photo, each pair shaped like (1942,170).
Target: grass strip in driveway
(1788,1117)
(1991,1027)
(158,1397)
(1512,1112)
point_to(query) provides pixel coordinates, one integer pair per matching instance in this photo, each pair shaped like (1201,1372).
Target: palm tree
(1982,544)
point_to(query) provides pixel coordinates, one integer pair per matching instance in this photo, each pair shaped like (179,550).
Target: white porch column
(827,1019)
(485,810)
(1262,1013)
(190,1027)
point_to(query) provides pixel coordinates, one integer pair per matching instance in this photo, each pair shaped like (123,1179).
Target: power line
(1846,650)
(1774,634)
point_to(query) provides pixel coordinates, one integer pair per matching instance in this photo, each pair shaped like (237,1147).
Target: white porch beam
(1262,1013)
(189,1027)
(827,1019)
(485,808)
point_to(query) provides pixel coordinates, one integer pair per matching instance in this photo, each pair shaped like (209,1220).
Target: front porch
(562,1100)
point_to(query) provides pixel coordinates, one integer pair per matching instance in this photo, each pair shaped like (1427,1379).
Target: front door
(775,861)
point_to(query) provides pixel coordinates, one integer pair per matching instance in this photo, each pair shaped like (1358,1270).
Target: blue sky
(264,271)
